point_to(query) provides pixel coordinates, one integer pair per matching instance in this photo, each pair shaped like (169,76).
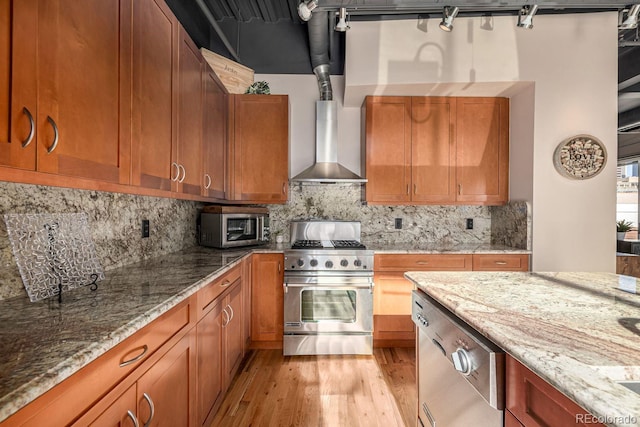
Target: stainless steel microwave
(233,226)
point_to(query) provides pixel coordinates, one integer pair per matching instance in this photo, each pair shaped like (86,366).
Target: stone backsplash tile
(511,225)
(434,224)
(114,221)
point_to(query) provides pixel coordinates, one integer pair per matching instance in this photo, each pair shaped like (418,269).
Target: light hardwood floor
(324,391)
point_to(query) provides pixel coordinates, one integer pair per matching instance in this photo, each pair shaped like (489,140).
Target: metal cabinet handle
(225,283)
(415,188)
(177,171)
(501,263)
(227,320)
(145,348)
(407,189)
(152,409)
(133,418)
(422,262)
(55,135)
(283,188)
(459,189)
(279,267)
(232,314)
(184,172)
(208,180)
(32,127)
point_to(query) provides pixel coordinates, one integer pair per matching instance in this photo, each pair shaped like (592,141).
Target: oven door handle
(351,286)
(285,286)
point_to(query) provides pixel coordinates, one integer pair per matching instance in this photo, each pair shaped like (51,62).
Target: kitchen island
(578,331)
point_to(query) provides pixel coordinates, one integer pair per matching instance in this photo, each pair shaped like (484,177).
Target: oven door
(328,304)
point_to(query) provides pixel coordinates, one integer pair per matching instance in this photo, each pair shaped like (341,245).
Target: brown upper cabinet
(436,150)
(259,148)
(66,109)
(214,138)
(155,35)
(188,159)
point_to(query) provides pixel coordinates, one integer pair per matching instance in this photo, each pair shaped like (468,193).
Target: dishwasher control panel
(472,355)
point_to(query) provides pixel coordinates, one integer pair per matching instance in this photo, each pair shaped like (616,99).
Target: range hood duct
(326,169)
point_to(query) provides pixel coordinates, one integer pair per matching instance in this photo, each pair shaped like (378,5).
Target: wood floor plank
(323,391)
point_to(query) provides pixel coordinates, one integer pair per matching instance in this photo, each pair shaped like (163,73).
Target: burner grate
(347,244)
(306,244)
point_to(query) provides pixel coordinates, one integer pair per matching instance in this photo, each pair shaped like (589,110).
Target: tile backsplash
(114,220)
(435,224)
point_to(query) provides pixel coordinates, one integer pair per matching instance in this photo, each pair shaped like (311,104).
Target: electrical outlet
(469,223)
(145,228)
(398,224)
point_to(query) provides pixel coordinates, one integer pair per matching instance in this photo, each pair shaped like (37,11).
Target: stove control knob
(357,263)
(300,262)
(344,263)
(328,264)
(462,361)
(313,262)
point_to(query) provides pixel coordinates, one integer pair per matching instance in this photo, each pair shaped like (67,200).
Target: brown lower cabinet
(267,310)
(392,324)
(532,402)
(172,372)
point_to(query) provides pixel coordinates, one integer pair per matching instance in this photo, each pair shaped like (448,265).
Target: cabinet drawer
(534,402)
(63,403)
(428,262)
(213,290)
(501,262)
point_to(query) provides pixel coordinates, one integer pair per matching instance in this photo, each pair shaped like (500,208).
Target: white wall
(561,78)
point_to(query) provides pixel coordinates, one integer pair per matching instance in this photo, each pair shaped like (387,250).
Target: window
(627,196)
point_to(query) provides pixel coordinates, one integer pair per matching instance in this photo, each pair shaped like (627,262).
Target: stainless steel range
(328,290)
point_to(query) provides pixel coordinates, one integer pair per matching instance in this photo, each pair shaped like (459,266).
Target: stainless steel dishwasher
(460,372)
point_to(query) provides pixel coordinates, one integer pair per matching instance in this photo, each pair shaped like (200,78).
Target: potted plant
(622,227)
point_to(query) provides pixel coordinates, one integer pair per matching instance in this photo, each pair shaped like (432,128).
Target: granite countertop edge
(592,386)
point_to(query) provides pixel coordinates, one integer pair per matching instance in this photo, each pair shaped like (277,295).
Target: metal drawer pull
(422,262)
(55,135)
(133,418)
(232,314)
(32,127)
(227,320)
(208,180)
(177,171)
(145,348)
(501,263)
(225,283)
(184,172)
(152,408)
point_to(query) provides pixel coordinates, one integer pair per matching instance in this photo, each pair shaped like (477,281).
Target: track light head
(342,25)
(630,21)
(448,15)
(305,8)
(525,17)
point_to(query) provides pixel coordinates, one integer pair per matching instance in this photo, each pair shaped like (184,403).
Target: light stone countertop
(43,343)
(578,331)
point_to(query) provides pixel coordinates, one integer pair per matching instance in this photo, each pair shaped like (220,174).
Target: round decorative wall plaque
(580,157)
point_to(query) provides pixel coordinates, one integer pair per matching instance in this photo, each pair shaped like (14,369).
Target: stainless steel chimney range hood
(326,169)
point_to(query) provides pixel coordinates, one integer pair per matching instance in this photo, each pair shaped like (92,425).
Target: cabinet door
(189,118)
(482,159)
(267,302)
(388,149)
(246,297)
(500,262)
(433,149)
(81,95)
(210,355)
(18,101)
(392,308)
(155,32)
(121,413)
(215,136)
(234,344)
(166,392)
(260,148)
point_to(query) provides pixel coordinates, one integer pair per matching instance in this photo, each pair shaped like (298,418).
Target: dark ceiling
(270,38)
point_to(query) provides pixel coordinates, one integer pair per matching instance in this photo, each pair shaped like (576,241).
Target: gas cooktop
(327,244)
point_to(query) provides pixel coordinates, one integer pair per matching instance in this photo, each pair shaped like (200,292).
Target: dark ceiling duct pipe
(319,51)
